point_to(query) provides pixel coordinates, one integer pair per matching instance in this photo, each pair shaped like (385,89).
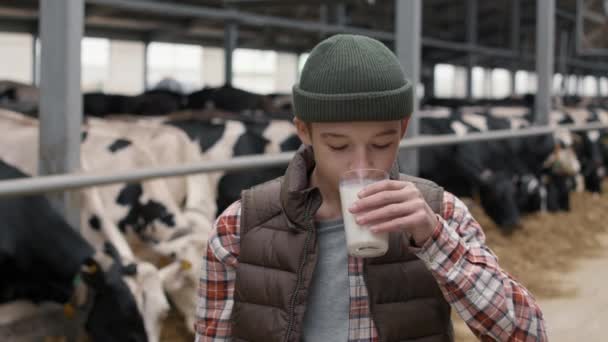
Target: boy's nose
(362,161)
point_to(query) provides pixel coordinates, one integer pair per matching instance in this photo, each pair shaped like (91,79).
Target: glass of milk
(360,241)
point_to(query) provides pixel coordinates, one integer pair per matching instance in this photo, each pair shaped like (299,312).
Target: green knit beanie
(352,78)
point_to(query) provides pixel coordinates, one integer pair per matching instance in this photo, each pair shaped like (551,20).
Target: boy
(277,267)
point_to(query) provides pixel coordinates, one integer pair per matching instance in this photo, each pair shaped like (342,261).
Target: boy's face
(342,146)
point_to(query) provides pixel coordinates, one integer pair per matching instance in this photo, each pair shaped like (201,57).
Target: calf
(42,258)
(221,140)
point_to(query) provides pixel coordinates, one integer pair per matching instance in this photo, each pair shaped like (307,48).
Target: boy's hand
(395,206)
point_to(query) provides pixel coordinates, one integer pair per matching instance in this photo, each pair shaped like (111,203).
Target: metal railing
(70,181)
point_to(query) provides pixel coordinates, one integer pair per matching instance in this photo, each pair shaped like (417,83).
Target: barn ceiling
(443,20)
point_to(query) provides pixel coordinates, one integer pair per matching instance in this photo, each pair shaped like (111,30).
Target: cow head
(143,214)
(497,196)
(114,314)
(530,193)
(181,277)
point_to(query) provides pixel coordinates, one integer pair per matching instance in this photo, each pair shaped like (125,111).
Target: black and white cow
(228,98)
(42,257)
(224,139)
(144,217)
(543,167)
(588,145)
(463,169)
(151,102)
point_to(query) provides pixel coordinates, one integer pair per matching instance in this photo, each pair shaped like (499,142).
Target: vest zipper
(292,303)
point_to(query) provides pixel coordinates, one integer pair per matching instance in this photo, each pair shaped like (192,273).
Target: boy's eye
(381,146)
(338,148)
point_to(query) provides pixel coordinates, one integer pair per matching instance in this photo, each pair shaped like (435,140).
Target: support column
(515,23)
(341,14)
(545,50)
(563,56)
(61,28)
(472,40)
(408,23)
(146,74)
(35,69)
(428,80)
(230,43)
(487,83)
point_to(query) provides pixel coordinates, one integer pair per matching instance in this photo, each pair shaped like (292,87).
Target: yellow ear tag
(185,265)
(90,269)
(68,310)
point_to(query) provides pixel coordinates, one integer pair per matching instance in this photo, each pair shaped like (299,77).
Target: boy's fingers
(381,186)
(386,213)
(381,199)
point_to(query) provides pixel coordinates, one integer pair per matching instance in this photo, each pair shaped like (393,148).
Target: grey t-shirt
(326,317)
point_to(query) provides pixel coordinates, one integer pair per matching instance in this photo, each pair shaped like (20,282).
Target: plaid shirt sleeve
(492,303)
(216,286)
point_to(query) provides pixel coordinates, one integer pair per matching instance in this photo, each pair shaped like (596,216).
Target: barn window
(255,70)
(16,57)
(95,55)
(183,63)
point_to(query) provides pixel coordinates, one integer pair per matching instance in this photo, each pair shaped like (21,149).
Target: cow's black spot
(250,142)
(155,210)
(130,194)
(205,132)
(83,136)
(141,215)
(291,144)
(95,223)
(118,145)
(257,128)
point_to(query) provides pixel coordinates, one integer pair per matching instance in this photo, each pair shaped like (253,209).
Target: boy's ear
(303,130)
(404,123)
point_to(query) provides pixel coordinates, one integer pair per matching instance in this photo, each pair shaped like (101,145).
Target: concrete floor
(582,317)
(579,318)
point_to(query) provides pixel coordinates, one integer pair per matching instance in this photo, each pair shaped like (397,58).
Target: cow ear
(130,194)
(130,269)
(111,251)
(92,273)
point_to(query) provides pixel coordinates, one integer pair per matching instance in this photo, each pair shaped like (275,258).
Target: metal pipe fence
(71,181)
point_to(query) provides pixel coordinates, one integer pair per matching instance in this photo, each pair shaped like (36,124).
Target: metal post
(515,22)
(340,14)
(598,87)
(428,80)
(322,19)
(61,28)
(563,56)
(487,83)
(230,42)
(408,25)
(145,66)
(545,48)
(35,71)
(472,40)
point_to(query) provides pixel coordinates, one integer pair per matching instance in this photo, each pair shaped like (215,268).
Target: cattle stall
(121,202)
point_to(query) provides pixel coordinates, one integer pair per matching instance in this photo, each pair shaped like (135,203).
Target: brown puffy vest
(278,257)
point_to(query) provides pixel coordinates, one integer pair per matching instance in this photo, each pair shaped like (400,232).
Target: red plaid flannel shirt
(493,304)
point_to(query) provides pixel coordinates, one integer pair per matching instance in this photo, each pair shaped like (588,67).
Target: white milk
(360,241)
